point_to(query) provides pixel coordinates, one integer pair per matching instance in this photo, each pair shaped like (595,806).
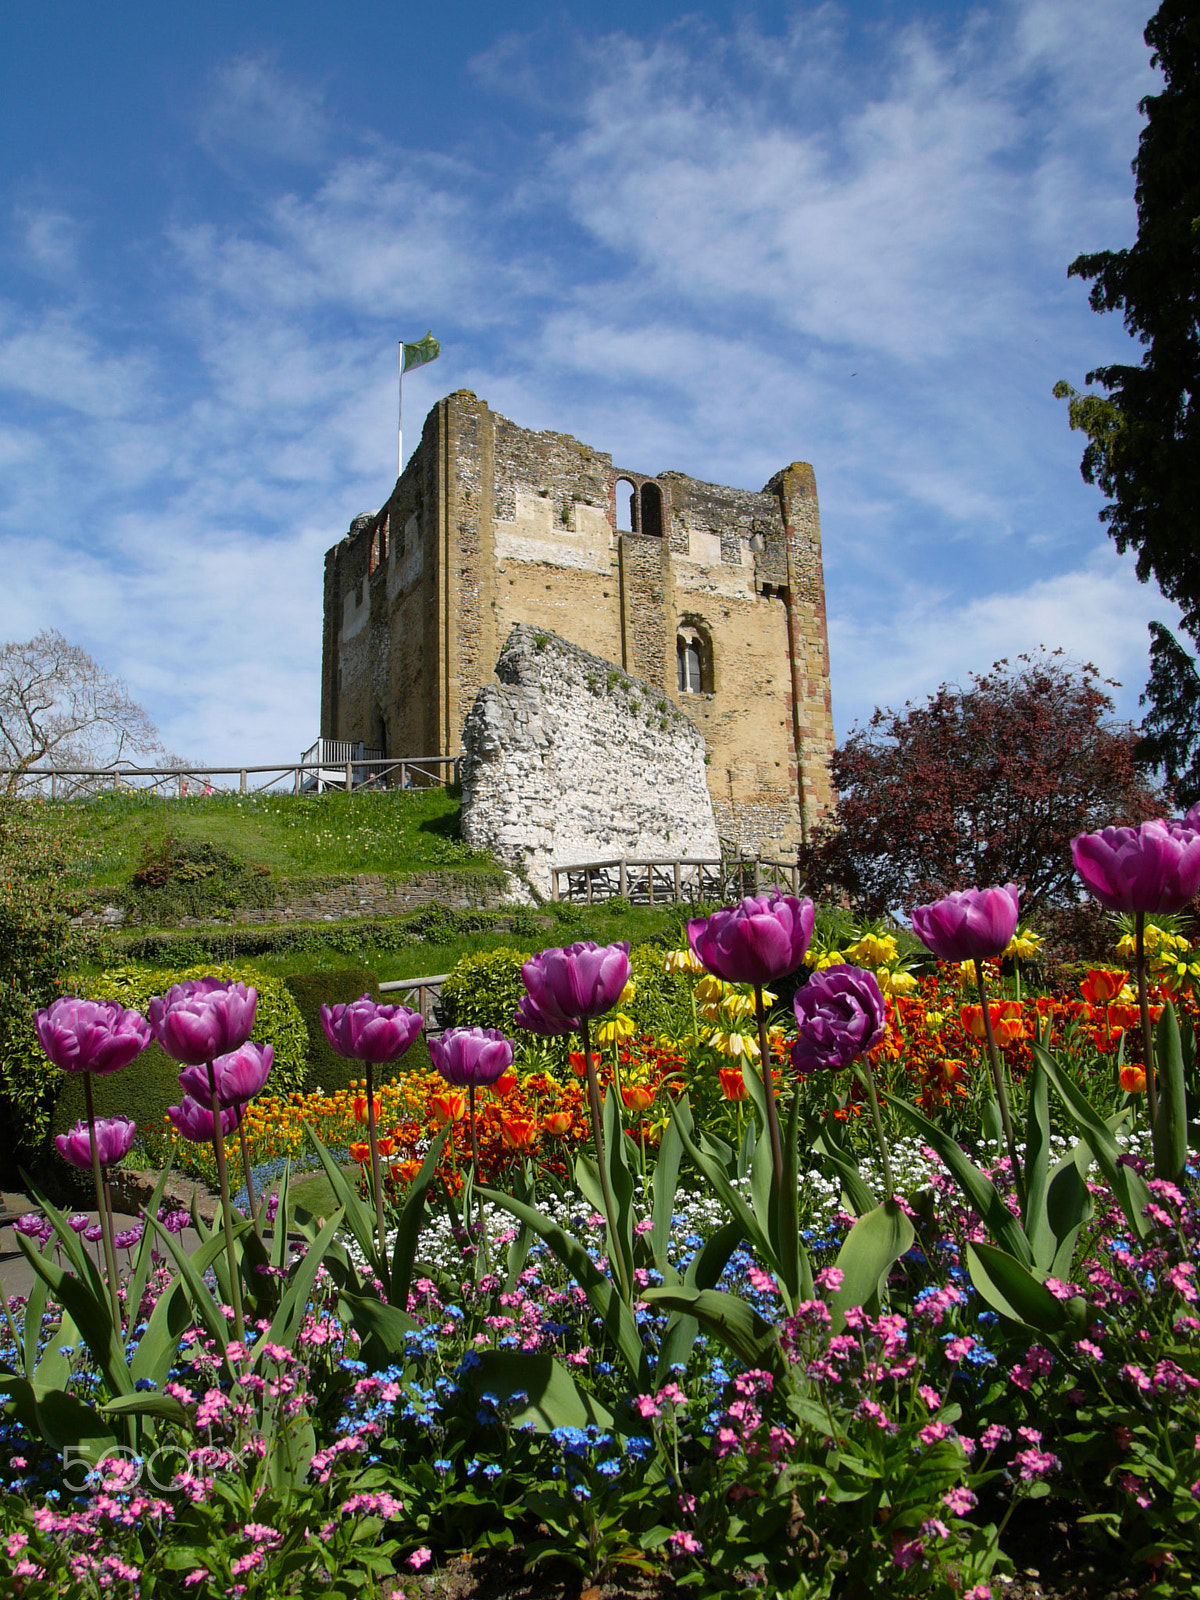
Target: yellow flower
(710,990)
(828,958)
(613,1029)
(733,1044)
(627,993)
(682,961)
(873,950)
(1023,945)
(737,1005)
(898,982)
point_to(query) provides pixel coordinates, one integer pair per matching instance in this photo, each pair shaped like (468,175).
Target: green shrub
(324,1068)
(145,1088)
(484,990)
(662,1000)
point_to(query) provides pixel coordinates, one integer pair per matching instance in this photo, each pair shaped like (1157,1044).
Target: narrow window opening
(652,510)
(626,506)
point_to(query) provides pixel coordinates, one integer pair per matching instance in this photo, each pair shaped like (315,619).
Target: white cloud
(253,107)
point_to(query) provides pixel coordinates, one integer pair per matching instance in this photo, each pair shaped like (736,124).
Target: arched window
(626,506)
(652,519)
(689,667)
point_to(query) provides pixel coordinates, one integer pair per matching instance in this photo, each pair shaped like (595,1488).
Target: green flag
(416,355)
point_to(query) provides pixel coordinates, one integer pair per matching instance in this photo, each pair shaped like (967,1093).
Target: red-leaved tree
(979,786)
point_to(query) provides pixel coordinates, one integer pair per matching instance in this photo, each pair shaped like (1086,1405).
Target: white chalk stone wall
(568,759)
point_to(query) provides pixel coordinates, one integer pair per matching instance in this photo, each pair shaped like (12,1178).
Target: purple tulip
(368,1031)
(757,941)
(202,1019)
(90,1035)
(1152,868)
(471,1056)
(32,1225)
(970,924)
(195,1121)
(840,1015)
(114,1139)
(565,986)
(239,1075)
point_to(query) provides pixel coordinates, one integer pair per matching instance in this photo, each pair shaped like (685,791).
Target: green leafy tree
(1171,732)
(979,786)
(1143,433)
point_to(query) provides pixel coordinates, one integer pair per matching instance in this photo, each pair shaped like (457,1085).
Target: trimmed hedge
(484,990)
(145,1088)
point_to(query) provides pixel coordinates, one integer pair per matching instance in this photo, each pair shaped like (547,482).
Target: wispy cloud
(713,252)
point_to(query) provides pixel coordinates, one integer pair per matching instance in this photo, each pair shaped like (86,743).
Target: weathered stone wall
(492,526)
(569,759)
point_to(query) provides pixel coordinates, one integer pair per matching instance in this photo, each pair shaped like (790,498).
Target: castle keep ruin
(714,596)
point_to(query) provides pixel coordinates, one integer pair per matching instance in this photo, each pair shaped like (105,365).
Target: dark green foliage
(324,1068)
(483,991)
(38,846)
(179,878)
(1171,732)
(1143,436)
(145,1088)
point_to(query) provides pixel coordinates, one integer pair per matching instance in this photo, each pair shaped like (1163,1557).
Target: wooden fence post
(349,776)
(241,785)
(622,879)
(676,892)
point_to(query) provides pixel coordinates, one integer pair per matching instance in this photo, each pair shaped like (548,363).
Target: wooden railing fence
(660,882)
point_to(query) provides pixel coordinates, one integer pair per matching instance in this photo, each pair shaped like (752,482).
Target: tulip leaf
(855,1190)
(704,1156)
(54,1368)
(620,1182)
(1128,1187)
(63,1420)
(192,1269)
(1037,1167)
(35,1310)
(793,1258)
(1170,1124)
(84,1267)
(551,1397)
(385,1327)
(616,1317)
(703,1272)
(144,1261)
(875,1242)
(286,1321)
(91,1314)
(980,1191)
(1068,1207)
(728,1318)
(408,1229)
(360,1219)
(145,1403)
(1012,1290)
(664,1182)
(157,1348)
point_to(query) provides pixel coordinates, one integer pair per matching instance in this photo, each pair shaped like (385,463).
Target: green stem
(769,1090)
(250,1206)
(235,1283)
(376,1173)
(106,1229)
(999,1080)
(876,1118)
(1147,1032)
(614,1241)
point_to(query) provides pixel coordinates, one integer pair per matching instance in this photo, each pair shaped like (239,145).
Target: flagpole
(400,415)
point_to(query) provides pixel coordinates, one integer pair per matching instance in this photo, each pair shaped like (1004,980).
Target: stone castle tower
(714,595)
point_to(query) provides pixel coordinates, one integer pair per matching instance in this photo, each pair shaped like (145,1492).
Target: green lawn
(292,836)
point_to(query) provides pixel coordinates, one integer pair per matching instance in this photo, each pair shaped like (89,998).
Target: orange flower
(404,1171)
(518,1133)
(637,1096)
(577,1063)
(360,1153)
(386,1146)
(505,1085)
(1008,1030)
(360,1107)
(557,1122)
(451,1106)
(949,1074)
(733,1084)
(1101,985)
(1133,1080)
(1105,1038)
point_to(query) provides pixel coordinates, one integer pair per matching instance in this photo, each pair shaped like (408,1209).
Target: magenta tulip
(114,1140)
(195,1121)
(1153,868)
(240,1075)
(970,924)
(365,1030)
(757,941)
(90,1035)
(840,1016)
(566,985)
(203,1018)
(471,1057)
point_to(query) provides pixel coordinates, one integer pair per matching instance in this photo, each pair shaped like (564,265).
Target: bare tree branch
(59,705)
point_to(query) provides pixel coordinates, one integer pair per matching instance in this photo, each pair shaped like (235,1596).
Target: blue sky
(715,239)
